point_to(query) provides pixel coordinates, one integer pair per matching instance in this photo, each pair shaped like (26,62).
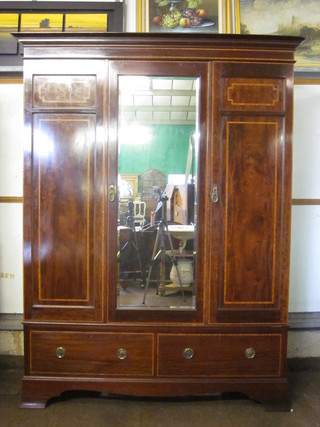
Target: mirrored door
(159,109)
(157,191)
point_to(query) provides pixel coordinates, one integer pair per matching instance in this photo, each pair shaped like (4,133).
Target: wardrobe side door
(63,193)
(252,173)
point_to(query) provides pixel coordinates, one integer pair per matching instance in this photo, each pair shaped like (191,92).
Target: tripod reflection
(159,252)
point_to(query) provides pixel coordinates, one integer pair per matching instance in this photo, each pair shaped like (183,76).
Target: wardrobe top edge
(144,39)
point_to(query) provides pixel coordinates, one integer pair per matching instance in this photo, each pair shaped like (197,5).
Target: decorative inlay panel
(253,94)
(64,160)
(251,212)
(64,91)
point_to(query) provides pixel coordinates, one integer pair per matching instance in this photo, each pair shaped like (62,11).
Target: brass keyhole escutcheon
(188,353)
(214,194)
(112,193)
(250,353)
(60,352)
(122,353)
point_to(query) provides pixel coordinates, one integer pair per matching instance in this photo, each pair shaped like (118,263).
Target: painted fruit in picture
(183,15)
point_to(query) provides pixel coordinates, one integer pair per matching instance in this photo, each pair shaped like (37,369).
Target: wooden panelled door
(64,196)
(254,188)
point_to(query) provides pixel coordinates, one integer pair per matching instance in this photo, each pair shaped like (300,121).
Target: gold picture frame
(132,181)
(218,16)
(294,18)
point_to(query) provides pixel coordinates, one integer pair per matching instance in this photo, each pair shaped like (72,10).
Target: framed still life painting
(183,16)
(285,18)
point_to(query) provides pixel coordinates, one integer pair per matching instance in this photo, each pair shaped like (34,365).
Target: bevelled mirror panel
(157,191)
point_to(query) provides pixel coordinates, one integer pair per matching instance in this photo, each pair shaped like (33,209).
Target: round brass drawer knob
(122,353)
(60,352)
(188,353)
(250,353)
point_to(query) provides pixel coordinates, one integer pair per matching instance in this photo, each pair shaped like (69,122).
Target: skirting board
(307,320)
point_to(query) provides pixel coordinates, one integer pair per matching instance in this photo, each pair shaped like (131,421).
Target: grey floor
(90,411)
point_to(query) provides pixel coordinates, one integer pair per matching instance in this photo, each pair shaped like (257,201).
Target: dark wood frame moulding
(12,63)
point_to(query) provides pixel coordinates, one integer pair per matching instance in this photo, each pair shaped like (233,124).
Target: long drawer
(97,353)
(238,355)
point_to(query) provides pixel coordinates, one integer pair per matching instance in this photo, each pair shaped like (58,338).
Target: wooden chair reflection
(139,212)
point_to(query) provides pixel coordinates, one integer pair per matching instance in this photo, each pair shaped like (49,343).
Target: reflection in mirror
(157,192)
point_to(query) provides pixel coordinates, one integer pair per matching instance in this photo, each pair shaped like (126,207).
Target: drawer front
(83,353)
(240,355)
